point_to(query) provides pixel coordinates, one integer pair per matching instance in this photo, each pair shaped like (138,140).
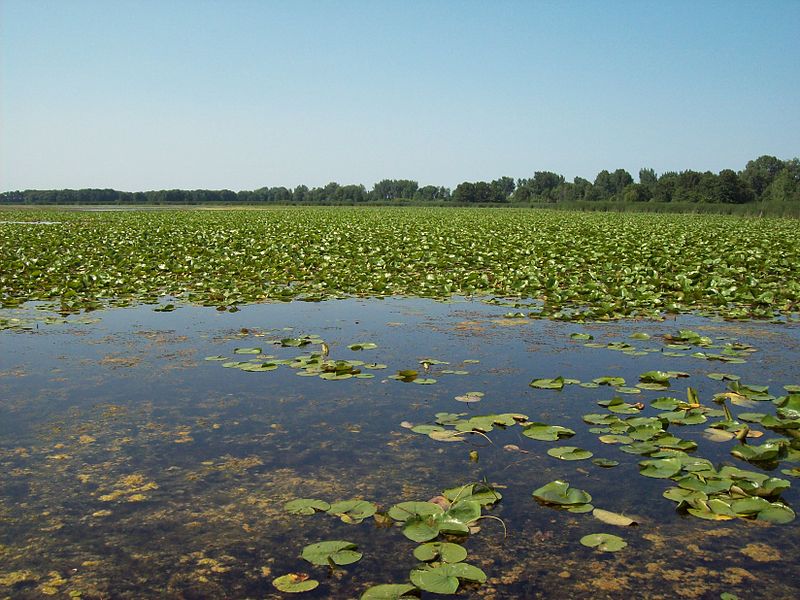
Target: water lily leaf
(548,384)
(424,381)
(607,380)
(627,390)
(605,542)
(405,510)
(247,351)
(546,433)
(777,513)
(217,357)
(306,506)
(446,436)
(444,579)
(560,493)
(334,551)
(612,518)
(640,335)
(581,336)
(655,377)
(482,493)
(660,468)
(390,591)
(569,453)
(615,439)
(294,583)
(444,551)
(363,346)
(792,388)
(352,511)
(722,377)
(605,463)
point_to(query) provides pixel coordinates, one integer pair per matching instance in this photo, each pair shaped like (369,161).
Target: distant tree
(732,190)
(300,193)
(635,192)
(758,174)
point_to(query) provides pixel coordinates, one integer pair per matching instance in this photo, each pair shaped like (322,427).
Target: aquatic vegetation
(604,542)
(578,265)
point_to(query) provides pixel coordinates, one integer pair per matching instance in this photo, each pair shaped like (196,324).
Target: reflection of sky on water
(136,383)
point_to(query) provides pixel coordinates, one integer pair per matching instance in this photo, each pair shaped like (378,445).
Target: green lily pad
(363,346)
(352,511)
(338,552)
(560,493)
(546,433)
(660,468)
(608,380)
(605,463)
(444,579)
(605,542)
(548,384)
(247,351)
(581,336)
(444,551)
(569,453)
(390,591)
(293,583)
(306,506)
(612,518)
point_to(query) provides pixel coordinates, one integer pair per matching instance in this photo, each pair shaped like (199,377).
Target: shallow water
(132,467)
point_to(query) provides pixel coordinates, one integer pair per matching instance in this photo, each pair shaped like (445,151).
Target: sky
(239,94)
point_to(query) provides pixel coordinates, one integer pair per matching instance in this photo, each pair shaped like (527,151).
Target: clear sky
(237,94)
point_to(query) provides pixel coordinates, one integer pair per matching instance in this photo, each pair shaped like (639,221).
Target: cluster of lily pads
(577,266)
(677,345)
(314,364)
(437,525)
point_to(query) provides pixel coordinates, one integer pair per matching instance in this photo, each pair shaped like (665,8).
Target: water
(132,467)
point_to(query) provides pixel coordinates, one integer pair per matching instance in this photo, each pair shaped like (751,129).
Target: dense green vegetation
(572,265)
(765,183)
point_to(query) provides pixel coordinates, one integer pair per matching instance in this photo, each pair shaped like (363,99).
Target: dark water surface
(130,467)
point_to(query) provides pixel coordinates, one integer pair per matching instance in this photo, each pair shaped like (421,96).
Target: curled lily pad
(390,591)
(295,582)
(306,506)
(560,493)
(569,453)
(334,551)
(605,542)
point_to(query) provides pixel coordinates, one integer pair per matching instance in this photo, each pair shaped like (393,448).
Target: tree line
(765,179)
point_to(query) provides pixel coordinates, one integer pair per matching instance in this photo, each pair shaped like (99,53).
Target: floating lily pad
(569,453)
(561,494)
(444,579)
(363,346)
(660,468)
(334,551)
(605,542)
(390,591)
(352,511)
(546,433)
(548,384)
(605,463)
(293,583)
(443,551)
(306,506)
(581,336)
(612,518)
(247,351)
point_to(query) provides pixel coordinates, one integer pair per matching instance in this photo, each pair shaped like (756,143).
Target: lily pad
(612,518)
(546,433)
(352,511)
(338,552)
(560,493)
(306,506)
(293,583)
(605,542)
(660,468)
(444,579)
(390,591)
(569,453)
(443,551)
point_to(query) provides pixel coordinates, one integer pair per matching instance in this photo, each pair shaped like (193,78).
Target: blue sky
(236,94)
